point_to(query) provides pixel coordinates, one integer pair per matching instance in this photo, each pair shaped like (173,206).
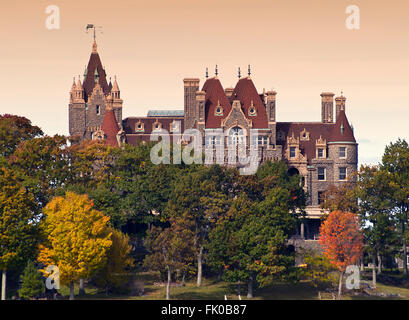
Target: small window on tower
(320,153)
(292,152)
(98,109)
(342,152)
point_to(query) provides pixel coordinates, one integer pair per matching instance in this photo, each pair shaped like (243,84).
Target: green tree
(170,249)
(395,162)
(18,224)
(32,283)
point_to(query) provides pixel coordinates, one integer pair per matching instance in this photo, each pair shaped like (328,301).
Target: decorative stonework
(252,110)
(304,135)
(156,125)
(321,144)
(218,111)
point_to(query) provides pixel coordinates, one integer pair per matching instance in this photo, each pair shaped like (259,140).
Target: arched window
(236,136)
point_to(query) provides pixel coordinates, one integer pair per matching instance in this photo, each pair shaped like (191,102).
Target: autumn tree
(342,241)
(395,162)
(18,224)
(13,130)
(170,249)
(76,238)
(113,275)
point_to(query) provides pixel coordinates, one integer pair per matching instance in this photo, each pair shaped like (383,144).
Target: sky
(298,48)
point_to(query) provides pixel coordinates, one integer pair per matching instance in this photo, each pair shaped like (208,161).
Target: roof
(342,131)
(246,92)
(110,128)
(215,96)
(166,113)
(315,130)
(89,81)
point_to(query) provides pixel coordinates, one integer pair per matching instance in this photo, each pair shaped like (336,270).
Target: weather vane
(94,27)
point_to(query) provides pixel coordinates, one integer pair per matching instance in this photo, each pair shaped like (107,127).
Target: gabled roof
(215,96)
(110,128)
(342,131)
(89,81)
(246,92)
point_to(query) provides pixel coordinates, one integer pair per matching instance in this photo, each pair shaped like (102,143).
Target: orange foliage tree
(342,241)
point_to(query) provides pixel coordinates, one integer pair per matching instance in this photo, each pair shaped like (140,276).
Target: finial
(249,72)
(216,71)
(239,73)
(342,93)
(207,73)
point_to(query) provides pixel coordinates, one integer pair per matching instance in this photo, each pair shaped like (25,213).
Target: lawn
(216,290)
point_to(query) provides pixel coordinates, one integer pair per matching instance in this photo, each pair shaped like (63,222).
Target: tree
(395,162)
(112,275)
(375,205)
(342,241)
(13,130)
(76,238)
(18,224)
(343,197)
(199,193)
(170,249)
(319,270)
(32,283)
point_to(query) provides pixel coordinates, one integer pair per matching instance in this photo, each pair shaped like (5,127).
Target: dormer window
(252,110)
(304,135)
(293,152)
(139,127)
(219,109)
(156,125)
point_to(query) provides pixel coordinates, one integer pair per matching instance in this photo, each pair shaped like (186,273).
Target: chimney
(340,104)
(327,107)
(191,85)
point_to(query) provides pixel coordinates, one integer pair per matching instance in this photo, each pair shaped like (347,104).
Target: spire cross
(216,71)
(249,72)
(239,73)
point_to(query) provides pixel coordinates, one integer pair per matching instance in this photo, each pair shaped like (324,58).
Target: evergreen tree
(32,283)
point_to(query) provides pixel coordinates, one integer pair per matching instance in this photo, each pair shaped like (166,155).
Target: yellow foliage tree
(76,238)
(115,272)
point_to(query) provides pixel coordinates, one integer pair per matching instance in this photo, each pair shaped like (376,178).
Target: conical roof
(110,128)
(342,131)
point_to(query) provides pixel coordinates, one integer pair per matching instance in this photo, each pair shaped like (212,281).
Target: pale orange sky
(300,48)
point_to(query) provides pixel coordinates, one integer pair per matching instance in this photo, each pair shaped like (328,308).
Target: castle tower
(340,104)
(89,100)
(191,85)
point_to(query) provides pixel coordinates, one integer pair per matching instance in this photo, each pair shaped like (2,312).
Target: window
(98,109)
(342,173)
(213,141)
(320,153)
(262,140)
(292,152)
(342,151)
(321,173)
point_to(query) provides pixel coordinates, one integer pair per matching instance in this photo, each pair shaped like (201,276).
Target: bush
(319,270)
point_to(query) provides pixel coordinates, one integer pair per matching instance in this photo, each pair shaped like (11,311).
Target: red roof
(342,131)
(110,128)
(246,92)
(215,95)
(315,130)
(89,82)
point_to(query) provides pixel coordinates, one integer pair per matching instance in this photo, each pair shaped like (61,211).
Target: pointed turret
(342,131)
(94,73)
(115,92)
(110,128)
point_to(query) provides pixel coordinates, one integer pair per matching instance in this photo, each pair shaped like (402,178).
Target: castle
(322,153)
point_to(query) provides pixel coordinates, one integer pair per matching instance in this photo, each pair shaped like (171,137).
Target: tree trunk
(81,290)
(199,267)
(72,290)
(362,264)
(238,288)
(405,253)
(168,285)
(3,285)
(373,271)
(341,275)
(250,288)
(379,264)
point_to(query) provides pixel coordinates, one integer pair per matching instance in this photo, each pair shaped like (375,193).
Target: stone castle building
(322,153)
